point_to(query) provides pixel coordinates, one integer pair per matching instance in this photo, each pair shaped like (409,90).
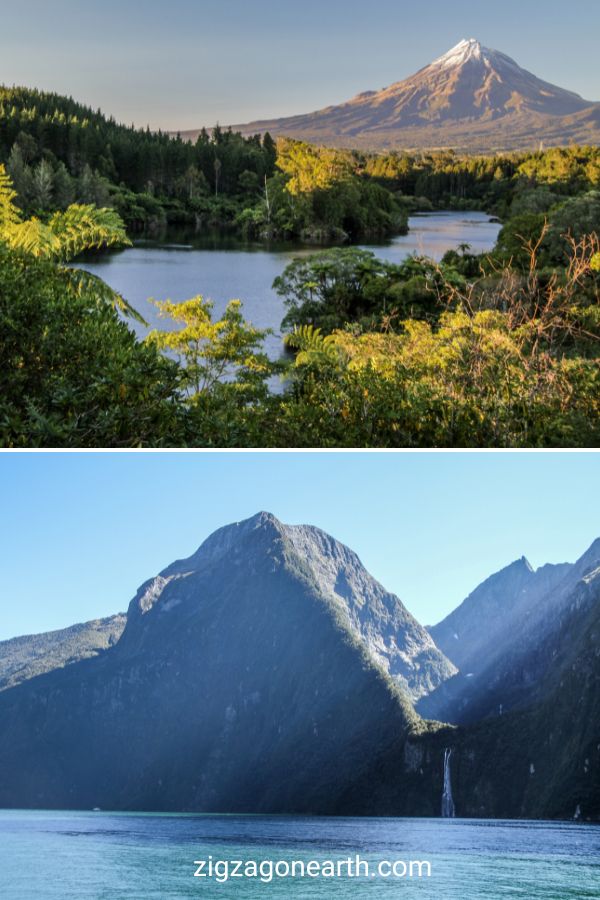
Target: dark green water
(227,269)
(51,855)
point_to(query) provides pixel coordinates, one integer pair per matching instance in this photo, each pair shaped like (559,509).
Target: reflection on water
(224,269)
(95,855)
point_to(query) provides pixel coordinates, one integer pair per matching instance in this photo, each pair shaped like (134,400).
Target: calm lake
(54,855)
(224,270)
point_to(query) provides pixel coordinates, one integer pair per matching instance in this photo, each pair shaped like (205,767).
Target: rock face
(241,682)
(26,657)
(269,672)
(392,636)
(530,743)
(542,760)
(500,639)
(377,619)
(485,622)
(472,98)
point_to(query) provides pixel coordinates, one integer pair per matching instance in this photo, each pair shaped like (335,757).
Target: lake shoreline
(227,269)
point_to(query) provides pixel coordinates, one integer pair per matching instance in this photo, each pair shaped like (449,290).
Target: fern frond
(85,284)
(32,237)
(311,345)
(86,227)
(305,337)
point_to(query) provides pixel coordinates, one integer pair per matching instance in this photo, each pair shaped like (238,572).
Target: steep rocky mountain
(485,621)
(26,657)
(392,636)
(504,639)
(269,672)
(379,620)
(472,98)
(542,760)
(243,681)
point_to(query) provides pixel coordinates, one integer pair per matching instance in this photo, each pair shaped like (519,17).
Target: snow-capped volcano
(464,51)
(471,97)
(472,81)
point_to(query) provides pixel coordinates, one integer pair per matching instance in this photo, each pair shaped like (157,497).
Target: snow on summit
(465,50)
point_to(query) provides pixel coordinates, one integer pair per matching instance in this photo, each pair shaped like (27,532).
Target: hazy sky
(185,63)
(79,533)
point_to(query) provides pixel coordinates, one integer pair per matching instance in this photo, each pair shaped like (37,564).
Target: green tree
(211,352)
(224,371)
(63,187)
(517,236)
(71,373)
(348,286)
(43,186)
(473,382)
(21,177)
(575,218)
(62,238)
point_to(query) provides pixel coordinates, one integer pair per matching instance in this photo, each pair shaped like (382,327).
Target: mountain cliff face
(471,98)
(530,747)
(486,620)
(542,760)
(503,637)
(240,683)
(269,672)
(376,618)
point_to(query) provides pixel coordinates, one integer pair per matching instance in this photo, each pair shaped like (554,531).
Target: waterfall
(448,810)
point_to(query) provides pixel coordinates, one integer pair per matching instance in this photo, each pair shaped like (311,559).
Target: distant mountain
(529,745)
(504,639)
(26,657)
(486,621)
(472,98)
(542,760)
(252,676)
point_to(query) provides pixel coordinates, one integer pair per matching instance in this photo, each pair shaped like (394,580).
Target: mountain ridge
(472,97)
(508,628)
(27,656)
(239,686)
(373,614)
(257,675)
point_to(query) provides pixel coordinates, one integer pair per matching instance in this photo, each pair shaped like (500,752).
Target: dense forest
(478,351)
(57,152)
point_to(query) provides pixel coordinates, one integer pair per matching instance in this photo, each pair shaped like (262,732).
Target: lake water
(54,855)
(224,270)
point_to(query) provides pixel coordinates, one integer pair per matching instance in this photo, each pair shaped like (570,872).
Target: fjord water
(105,855)
(226,269)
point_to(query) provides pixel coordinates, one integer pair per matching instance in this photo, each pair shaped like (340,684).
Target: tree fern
(67,234)
(82,228)
(34,238)
(84,283)
(312,346)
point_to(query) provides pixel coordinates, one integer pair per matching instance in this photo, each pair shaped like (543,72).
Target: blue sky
(185,63)
(80,532)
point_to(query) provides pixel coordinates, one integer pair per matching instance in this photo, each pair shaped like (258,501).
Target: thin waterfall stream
(448,809)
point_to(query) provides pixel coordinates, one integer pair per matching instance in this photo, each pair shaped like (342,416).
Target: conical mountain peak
(470,98)
(465,50)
